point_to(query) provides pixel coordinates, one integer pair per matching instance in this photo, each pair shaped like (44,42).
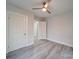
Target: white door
(42,30)
(18,31)
(36,23)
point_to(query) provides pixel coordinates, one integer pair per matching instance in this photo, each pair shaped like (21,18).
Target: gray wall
(60,28)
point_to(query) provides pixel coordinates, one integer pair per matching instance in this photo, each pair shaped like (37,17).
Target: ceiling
(55,6)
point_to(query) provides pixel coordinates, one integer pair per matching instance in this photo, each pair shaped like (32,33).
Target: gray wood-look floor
(43,49)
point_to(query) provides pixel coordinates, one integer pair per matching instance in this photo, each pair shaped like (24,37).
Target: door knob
(24,33)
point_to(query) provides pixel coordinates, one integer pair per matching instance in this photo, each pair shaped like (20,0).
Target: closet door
(18,31)
(42,30)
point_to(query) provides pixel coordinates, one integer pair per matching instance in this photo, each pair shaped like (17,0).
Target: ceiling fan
(44,7)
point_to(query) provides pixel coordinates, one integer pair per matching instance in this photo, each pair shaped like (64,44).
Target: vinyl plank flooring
(42,49)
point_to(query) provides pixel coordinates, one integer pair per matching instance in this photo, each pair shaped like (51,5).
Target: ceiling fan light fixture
(44,9)
(46,5)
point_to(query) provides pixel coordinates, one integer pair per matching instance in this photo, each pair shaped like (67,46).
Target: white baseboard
(61,42)
(30,44)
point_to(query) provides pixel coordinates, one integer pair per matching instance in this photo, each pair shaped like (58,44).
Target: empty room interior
(39,29)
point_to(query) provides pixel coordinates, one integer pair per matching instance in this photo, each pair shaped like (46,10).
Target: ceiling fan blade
(36,8)
(48,11)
